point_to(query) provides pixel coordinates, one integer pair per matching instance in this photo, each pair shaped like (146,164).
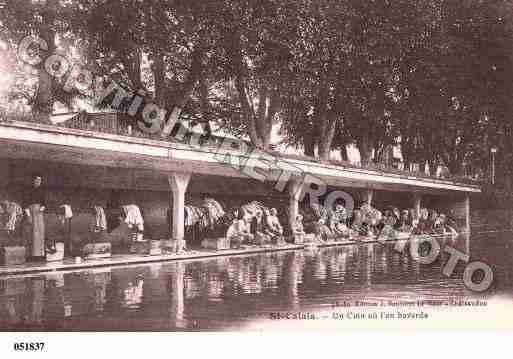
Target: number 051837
(33,347)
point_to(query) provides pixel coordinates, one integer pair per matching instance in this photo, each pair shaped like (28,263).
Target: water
(234,293)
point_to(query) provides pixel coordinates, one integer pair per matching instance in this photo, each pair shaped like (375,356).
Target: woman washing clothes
(357,226)
(322,231)
(433,217)
(424,224)
(371,219)
(259,230)
(405,222)
(338,225)
(238,232)
(274,228)
(389,223)
(443,227)
(439,224)
(298,229)
(397,215)
(414,218)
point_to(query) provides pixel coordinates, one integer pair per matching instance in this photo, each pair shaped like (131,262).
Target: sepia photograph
(252,166)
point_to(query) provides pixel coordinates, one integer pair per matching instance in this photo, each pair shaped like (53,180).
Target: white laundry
(68,213)
(133,217)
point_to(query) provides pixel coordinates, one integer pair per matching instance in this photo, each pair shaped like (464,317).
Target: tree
(254,62)
(173,38)
(315,92)
(47,20)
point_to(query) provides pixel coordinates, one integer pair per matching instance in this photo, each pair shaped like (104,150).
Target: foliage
(433,76)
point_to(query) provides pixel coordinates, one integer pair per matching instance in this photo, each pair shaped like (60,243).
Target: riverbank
(127,259)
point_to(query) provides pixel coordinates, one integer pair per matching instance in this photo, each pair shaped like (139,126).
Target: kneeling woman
(238,232)
(322,231)
(259,229)
(338,222)
(298,229)
(405,222)
(389,224)
(274,228)
(443,227)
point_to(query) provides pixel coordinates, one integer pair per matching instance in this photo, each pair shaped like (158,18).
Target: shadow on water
(230,293)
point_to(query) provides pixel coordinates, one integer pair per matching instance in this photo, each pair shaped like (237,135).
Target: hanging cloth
(100,218)
(134,217)
(14,212)
(68,213)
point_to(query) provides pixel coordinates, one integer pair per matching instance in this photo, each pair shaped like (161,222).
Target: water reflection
(133,294)
(177,295)
(292,271)
(231,292)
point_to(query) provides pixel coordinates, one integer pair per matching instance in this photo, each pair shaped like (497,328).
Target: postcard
(239,166)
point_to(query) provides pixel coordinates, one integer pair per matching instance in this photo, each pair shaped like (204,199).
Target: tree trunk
(158,69)
(454,167)
(406,162)
(132,63)
(44,100)
(267,137)
(272,110)
(432,164)
(406,153)
(327,138)
(261,111)
(248,113)
(321,120)
(265,115)
(379,154)
(309,144)
(43,103)
(186,91)
(343,153)
(365,150)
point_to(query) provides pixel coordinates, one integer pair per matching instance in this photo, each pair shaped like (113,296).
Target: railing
(114,123)
(124,126)
(383,168)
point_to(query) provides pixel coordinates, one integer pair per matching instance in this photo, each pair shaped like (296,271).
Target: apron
(37,231)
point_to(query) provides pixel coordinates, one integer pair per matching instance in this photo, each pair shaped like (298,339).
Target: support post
(417,198)
(178,183)
(295,187)
(369,194)
(6,173)
(467,213)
